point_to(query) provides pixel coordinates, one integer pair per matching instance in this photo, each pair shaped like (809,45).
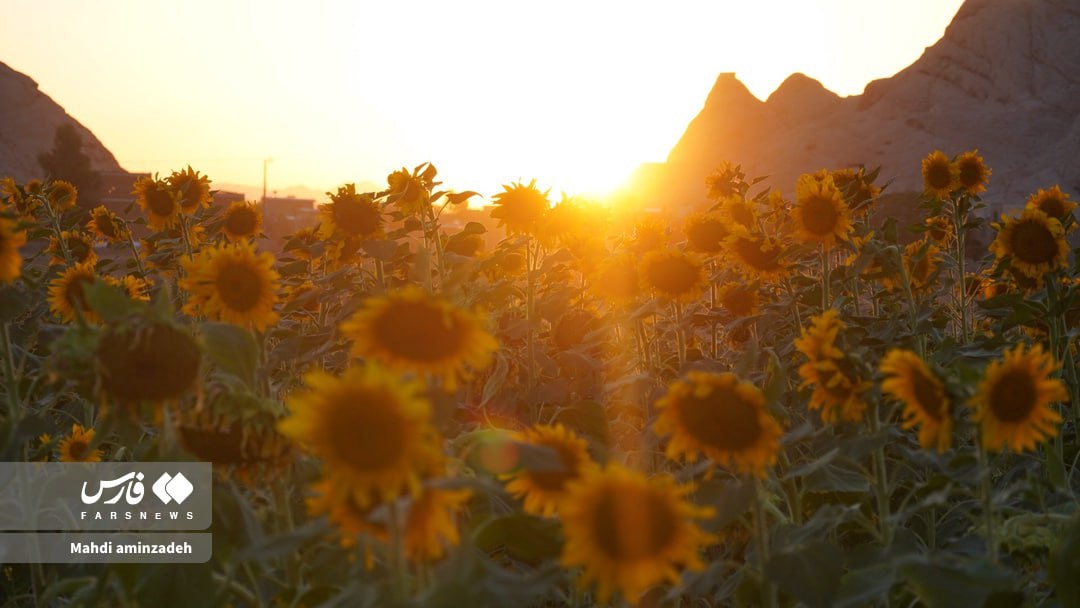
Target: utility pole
(266,161)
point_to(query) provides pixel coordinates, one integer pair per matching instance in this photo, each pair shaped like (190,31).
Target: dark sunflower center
(160,202)
(149,363)
(927,397)
(819,215)
(77,449)
(673,275)
(938,176)
(722,419)
(239,286)
(79,249)
(364,432)
(553,481)
(356,217)
(739,302)
(1052,206)
(753,253)
(633,526)
(707,236)
(971,174)
(1013,396)
(241,221)
(1033,243)
(419,331)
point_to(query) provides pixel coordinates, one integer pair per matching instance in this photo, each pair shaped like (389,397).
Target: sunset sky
(574,93)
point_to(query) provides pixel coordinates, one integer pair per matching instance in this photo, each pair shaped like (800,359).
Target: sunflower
(1035,242)
(190,189)
(722,417)
(926,404)
(409,330)
(241,221)
(465,245)
(232,283)
(105,225)
(649,234)
(76,446)
(62,195)
(66,294)
(857,187)
(431,522)
(520,208)
(158,201)
(136,288)
(408,191)
(1013,401)
(725,181)
(1052,202)
(351,520)
(940,177)
(706,232)
(818,342)
(939,228)
(739,299)
(756,255)
(971,172)
(79,246)
(837,395)
(351,214)
(820,213)
(627,532)
(921,261)
(543,490)
(738,211)
(11,238)
(148,361)
(573,328)
(372,431)
(616,278)
(673,274)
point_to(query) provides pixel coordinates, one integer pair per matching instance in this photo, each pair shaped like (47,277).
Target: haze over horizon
(575,96)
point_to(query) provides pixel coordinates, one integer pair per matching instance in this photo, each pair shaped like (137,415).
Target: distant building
(283,216)
(117,189)
(224,198)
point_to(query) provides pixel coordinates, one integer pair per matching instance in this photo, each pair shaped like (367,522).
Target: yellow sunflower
(921,261)
(351,214)
(838,396)
(627,532)
(543,490)
(722,417)
(857,187)
(756,255)
(821,215)
(11,238)
(939,228)
(616,278)
(1052,202)
(725,181)
(372,431)
(649,234)
(1013,401)
(147,361)
(79,245)
(66,293)
(158,201)
(105,225)
(242,220)
(520,208)
(674,274)
(1035,242)
(232,283)
(191,189)
(62,195)
(739,299)
(408,191)
(706,232)
(738,211)
(971,172)
(940,177)
(926,404)
(818,342)
(431,522)
(76,446)
(409,330)
(465,245)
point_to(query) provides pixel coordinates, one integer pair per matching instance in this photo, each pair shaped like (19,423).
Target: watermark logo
(167,488)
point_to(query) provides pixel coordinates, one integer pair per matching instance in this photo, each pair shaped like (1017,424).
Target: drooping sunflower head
(105,225)
(76,446)
(737,211)
(972,174)
(543,490)
(351,214)
(468,245)
(616,279)
(1034,242)
(818,341)
(520,207)
(191,189)
(158,201)
(838,395)
(602,509)
(572,328)
(723,418)
(431,522)
(148,360)
(408,330)
(241,220)
(821,215)
(858,188)
(79,245)
(940,177)
(648,234)
(926,403)
(939,228)
(725,181)
(11,239)
(706,232)
(371,430)
(673,274)
(756,255)
(1014,401)
(921,261)
(66,294)
(568,219)
(1053,202)
(232,283)
(407,191)
(136,288)
(62,195)
(740,300)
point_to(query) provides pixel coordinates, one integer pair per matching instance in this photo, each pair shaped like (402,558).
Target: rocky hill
(28,121)
(1005,78)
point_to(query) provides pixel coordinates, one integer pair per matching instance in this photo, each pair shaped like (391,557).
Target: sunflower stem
(986,499)
(825,300)
(397,551)
(54,220)
(761,545)
(881,481)
(912,310)
(134,251)
(12,380)
(680,339)
(187,238)
(959,221)
(530,313)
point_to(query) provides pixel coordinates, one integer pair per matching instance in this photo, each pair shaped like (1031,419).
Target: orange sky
(574,93)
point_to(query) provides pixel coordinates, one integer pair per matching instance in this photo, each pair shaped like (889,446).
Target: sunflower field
(776,400)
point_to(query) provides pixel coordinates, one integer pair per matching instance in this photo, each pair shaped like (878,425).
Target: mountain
(1004,78)
(28,121)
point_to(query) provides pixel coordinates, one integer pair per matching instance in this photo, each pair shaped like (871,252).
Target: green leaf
(108,301)
(528,538)
(1063,567)
(232,349)
(864,586)
(456,198)
(728,498)
(810,573)
(944,585)
(380,250)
